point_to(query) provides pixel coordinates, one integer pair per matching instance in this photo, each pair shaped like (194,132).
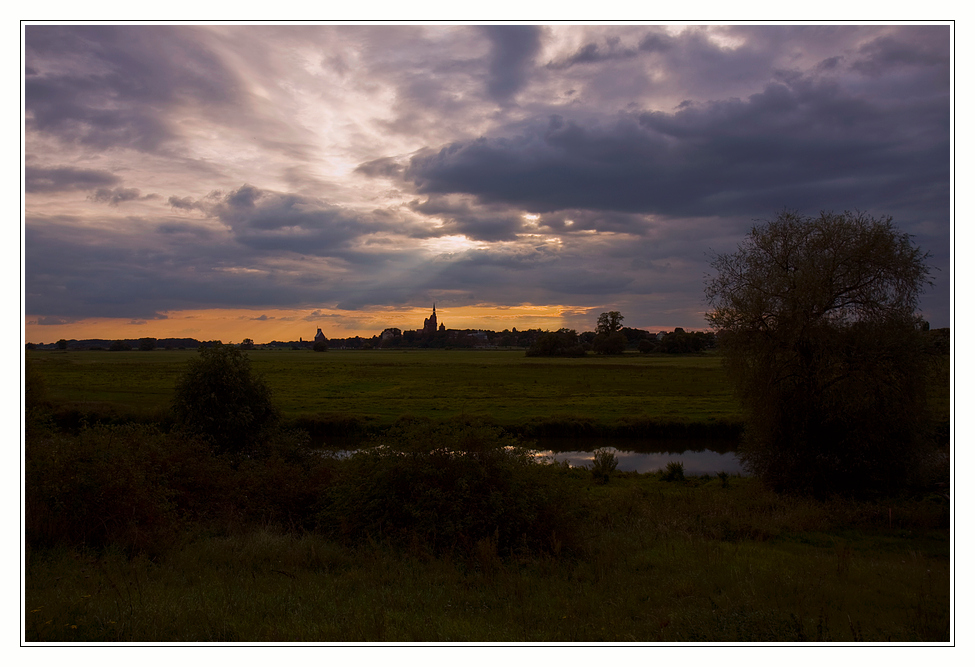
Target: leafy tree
(682,342)
(562,343)
(62,344)
(818,327)
(609,323)
(219,399)
(147,344)
(119,346)
(320,346)
(247,344)
(609,338)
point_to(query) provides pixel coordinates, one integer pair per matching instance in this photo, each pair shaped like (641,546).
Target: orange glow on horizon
(266,325)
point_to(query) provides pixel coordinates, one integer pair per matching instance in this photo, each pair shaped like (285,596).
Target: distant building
(430,324)
(320,337)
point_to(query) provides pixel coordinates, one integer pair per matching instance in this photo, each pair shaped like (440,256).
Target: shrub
(674,472)
(446,488)
(604,463)
(219,399)
(97,488)
(613,343)
(562,343)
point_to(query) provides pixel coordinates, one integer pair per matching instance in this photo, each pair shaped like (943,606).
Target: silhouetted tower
(430,323)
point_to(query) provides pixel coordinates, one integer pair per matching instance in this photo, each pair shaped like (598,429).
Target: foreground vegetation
(657,562)
(446,529)
(133,535)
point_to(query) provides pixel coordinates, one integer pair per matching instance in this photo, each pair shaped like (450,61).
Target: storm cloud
(801,143)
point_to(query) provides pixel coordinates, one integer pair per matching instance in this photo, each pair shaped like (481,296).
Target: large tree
(609,337)
(818,324)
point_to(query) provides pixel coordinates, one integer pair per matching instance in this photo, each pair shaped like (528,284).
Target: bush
(563,343)
(444,488)
(614,343)
(221,401)
(97,488)
(137,488)
(604,464)
(674,472)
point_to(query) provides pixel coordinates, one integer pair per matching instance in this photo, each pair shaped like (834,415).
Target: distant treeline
(676,341)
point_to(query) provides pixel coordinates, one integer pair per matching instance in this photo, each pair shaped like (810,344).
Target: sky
(230,182)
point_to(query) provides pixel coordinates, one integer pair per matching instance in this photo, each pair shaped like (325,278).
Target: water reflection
(698,458)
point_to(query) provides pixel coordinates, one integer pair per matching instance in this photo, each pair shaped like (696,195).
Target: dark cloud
(383,167)
(612,49)
(112,86)
(924,48)
(804,143)
(458,216)
(272,221)
(183,203)
(59,179)
(132,273)
(116,196)
(51,321)
(513,51)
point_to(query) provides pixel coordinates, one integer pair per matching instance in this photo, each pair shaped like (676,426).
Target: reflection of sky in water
(695,463)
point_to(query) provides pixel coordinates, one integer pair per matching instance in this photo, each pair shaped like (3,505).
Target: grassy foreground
(135,534)
(659,562)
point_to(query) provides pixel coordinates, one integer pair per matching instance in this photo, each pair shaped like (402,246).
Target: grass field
(382,385)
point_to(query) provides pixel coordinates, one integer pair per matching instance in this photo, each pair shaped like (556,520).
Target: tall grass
(659,563)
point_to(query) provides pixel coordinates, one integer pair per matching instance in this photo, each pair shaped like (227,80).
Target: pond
(697,457)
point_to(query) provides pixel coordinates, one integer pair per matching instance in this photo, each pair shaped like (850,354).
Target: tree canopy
(609,323)
(609,337)
(219,399)
(816,317)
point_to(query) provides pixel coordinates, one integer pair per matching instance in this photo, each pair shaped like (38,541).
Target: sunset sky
(233,182)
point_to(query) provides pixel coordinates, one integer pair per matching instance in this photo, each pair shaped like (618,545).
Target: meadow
(377,387)
(133,534)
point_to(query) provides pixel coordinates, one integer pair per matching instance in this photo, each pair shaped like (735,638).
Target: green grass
(661,562)
(382,385)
